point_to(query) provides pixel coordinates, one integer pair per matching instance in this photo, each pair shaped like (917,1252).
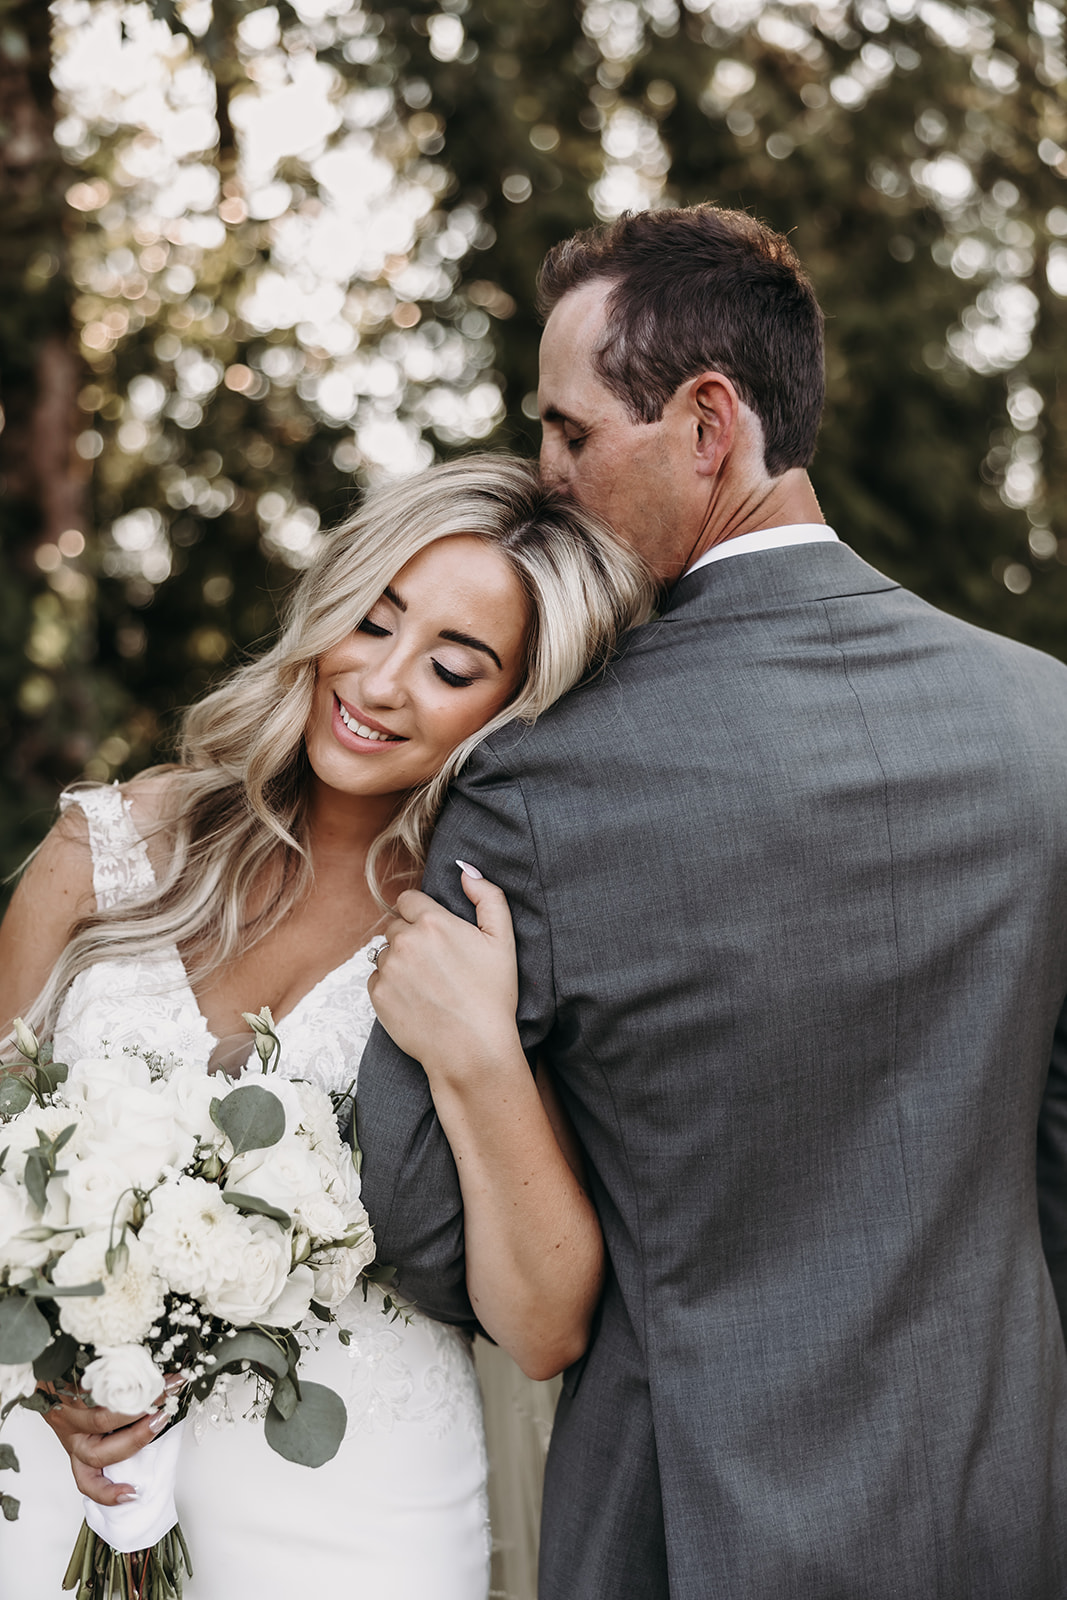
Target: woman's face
(437,656)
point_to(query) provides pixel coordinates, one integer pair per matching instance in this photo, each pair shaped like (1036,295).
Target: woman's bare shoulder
(53,894)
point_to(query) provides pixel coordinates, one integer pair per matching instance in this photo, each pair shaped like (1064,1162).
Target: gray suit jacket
(790,888)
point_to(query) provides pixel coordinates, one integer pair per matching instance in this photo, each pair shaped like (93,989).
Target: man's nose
(553,462)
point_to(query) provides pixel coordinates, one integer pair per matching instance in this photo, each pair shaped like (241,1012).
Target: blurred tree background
(256,257)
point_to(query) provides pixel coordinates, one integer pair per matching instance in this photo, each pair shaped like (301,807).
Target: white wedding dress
(401,1510)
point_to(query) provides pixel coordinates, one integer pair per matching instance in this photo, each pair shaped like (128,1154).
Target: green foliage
(251,1118)
(207,422)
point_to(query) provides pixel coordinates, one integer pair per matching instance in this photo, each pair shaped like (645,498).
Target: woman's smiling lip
(348,720)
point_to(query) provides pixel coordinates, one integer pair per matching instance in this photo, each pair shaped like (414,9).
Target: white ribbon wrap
(141,1523)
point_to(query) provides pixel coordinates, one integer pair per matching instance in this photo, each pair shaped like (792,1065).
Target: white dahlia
(132,1299)
(195,1239)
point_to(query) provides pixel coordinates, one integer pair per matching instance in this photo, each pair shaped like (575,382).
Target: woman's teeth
(358,727)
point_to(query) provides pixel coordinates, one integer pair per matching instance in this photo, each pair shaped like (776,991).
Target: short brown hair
(699,288)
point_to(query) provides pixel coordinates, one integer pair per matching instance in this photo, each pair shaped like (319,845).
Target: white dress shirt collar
(765,539)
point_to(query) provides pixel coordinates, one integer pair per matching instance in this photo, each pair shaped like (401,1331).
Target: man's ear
(714,406)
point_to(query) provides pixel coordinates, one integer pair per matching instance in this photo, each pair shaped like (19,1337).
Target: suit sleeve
(1052,1166)
(410,1185)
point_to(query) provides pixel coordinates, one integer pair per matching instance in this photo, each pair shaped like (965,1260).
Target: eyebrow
(451,634)
(554,414)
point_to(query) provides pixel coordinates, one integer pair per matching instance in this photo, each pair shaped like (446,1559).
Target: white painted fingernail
(465,866)
(124,1499)
(159,1421)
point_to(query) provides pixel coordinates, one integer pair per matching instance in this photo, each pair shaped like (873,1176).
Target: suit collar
(771,579)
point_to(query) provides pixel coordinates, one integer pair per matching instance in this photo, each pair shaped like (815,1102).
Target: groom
(790,891)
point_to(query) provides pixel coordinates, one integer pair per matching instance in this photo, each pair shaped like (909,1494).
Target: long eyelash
(453,679)
(373,628)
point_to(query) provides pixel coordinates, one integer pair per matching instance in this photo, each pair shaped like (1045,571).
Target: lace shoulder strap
(121,868)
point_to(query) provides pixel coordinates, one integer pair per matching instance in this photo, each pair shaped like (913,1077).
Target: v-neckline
(279,1022)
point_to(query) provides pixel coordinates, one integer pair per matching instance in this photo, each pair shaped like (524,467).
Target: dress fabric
(401,1510)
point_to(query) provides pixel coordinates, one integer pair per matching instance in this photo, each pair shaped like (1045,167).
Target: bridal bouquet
(160,1227)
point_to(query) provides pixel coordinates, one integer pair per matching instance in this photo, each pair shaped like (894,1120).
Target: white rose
(337,1273)
(132,1299)
(16,1382)
(190,1092)
(99,1193)
(137,1130)
(93,1076)
(292,1304)
(322,1217)
(124,1378)
(263,1270)
(196,1241)
(285,1175)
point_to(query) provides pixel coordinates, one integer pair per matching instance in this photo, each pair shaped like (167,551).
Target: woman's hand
(95,1438)
(446,990)
(447,993)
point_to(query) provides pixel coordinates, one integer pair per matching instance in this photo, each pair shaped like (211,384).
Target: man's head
(682,375)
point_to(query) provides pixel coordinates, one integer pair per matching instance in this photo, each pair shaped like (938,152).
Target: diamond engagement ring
(377,950)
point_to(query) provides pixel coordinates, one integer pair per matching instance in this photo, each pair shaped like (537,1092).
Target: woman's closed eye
(455,680)
(375,629)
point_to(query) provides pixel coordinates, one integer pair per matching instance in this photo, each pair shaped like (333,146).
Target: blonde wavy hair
(236,803)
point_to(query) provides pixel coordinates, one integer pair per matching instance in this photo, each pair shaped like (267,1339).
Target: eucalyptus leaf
(285,1397)
(313,1434)
(56,1359)
(251,1118)
(252,1347)
(262,1208)
(10,1507)
(50,1075)
(323,1313)
(15,1093)
(39,1401)
(8,1458)
(24,1333)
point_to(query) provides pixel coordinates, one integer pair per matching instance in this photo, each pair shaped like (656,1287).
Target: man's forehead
(568,344)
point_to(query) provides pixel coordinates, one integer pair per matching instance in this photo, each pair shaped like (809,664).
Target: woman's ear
(714,407)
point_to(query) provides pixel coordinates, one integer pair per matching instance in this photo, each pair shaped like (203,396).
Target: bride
(256,871)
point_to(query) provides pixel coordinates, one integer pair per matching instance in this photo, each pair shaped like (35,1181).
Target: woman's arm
(55,891)
(446,992)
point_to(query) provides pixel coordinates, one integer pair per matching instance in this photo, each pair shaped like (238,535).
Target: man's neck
(781,502)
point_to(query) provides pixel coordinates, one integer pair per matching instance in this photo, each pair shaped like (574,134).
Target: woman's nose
(383,679)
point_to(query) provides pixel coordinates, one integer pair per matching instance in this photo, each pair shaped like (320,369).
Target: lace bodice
(148,1000)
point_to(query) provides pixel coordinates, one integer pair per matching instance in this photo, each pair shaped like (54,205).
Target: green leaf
(10,1507)
(15,1093)
(252,1202)
(57,1359)
(39,1402)
(50,1075)
(8,1458)
(24,1333)
(285,1397)
(37,1178)
(251,1118)
(323,1313)
(41,1289)
(62,1138)
(312,1434)
(256,1348)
